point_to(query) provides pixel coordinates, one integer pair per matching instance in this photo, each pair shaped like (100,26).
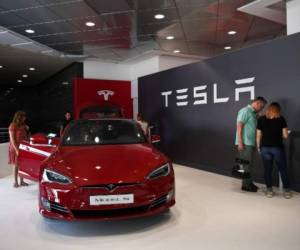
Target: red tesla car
(100,169)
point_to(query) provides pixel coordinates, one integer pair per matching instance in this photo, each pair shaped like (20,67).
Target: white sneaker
(287,194)
(269,193)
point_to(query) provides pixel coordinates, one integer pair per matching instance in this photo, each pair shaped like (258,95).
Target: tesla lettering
(166,95)
(244,89)
(200,95)
(216,99)
(182,98)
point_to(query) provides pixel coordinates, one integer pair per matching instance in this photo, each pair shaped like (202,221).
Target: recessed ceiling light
(1,66)
(170,37)
(227,47)
(29,31)
(31,69)
(90,24)
(231,32)
(19,81)
(176,51)
(24,76)
(159,16)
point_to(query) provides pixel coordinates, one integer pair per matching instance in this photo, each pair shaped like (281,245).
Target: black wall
(11,100)
(56,98)
(44,104)
(202,136)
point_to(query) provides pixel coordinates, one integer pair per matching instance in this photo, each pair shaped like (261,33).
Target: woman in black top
(271,130)
(68,118)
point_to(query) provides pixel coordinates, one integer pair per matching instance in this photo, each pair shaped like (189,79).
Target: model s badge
(106,93)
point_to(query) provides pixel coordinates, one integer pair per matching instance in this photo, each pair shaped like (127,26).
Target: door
(33,153)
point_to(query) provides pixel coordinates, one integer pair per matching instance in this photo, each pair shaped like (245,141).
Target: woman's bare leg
(16,170)
(23,183)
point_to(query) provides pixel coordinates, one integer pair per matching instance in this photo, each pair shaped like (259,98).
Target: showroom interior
(188,68)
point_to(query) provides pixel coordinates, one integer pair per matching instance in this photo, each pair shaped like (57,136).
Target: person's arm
(285,133)
(12,139)
(148,132)
(240,127)
(147,128)
(28,134)
(258,139)
(61,130)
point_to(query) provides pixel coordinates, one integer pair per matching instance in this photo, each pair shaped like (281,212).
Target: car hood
(94,165)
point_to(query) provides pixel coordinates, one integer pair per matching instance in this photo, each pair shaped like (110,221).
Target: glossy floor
(211,213)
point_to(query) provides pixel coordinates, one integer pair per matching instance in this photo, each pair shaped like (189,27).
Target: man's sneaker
(269,193)
(249,188)
(287,194)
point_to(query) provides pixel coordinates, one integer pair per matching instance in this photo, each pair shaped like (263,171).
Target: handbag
(240,168)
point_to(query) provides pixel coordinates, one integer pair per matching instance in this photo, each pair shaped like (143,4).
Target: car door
(33,153)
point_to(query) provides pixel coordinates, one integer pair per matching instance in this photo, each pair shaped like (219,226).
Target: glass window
(103,132)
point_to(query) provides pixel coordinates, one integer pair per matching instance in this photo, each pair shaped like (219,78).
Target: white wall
(93,69)
(293,16)
(168,62)
(5,169)
(144,67)
(139,69)
(131,71)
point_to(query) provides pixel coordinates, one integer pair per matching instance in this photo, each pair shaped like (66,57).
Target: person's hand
(241,146)
(17,152)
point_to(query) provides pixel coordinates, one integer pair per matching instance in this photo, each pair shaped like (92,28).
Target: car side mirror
(38,139)
(155,138)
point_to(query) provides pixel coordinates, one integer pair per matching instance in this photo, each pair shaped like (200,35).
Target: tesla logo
(111,187)
(106,93)
(200,93)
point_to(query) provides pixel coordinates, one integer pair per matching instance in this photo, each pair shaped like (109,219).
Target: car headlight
(164,170)
(52,176)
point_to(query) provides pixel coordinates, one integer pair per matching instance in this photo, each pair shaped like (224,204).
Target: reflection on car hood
(92,165)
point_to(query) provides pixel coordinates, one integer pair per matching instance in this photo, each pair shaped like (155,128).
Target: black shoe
(254,186)
(250,188)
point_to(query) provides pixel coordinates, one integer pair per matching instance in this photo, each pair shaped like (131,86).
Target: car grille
(110,187)
(109,213)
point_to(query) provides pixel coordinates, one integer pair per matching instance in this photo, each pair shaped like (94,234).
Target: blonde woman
(18,131)
(271,130)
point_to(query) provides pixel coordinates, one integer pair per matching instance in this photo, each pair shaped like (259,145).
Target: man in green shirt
(246,137)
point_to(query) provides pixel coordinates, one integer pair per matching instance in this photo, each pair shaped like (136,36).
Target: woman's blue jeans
(269,156)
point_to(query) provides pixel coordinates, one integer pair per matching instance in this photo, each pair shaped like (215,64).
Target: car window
(103,132)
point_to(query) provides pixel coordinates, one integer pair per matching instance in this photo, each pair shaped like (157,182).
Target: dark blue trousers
(269,156)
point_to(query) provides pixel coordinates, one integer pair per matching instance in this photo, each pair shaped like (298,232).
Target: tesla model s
(99,169)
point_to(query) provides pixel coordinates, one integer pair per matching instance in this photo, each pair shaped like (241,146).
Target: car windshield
(103,132)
